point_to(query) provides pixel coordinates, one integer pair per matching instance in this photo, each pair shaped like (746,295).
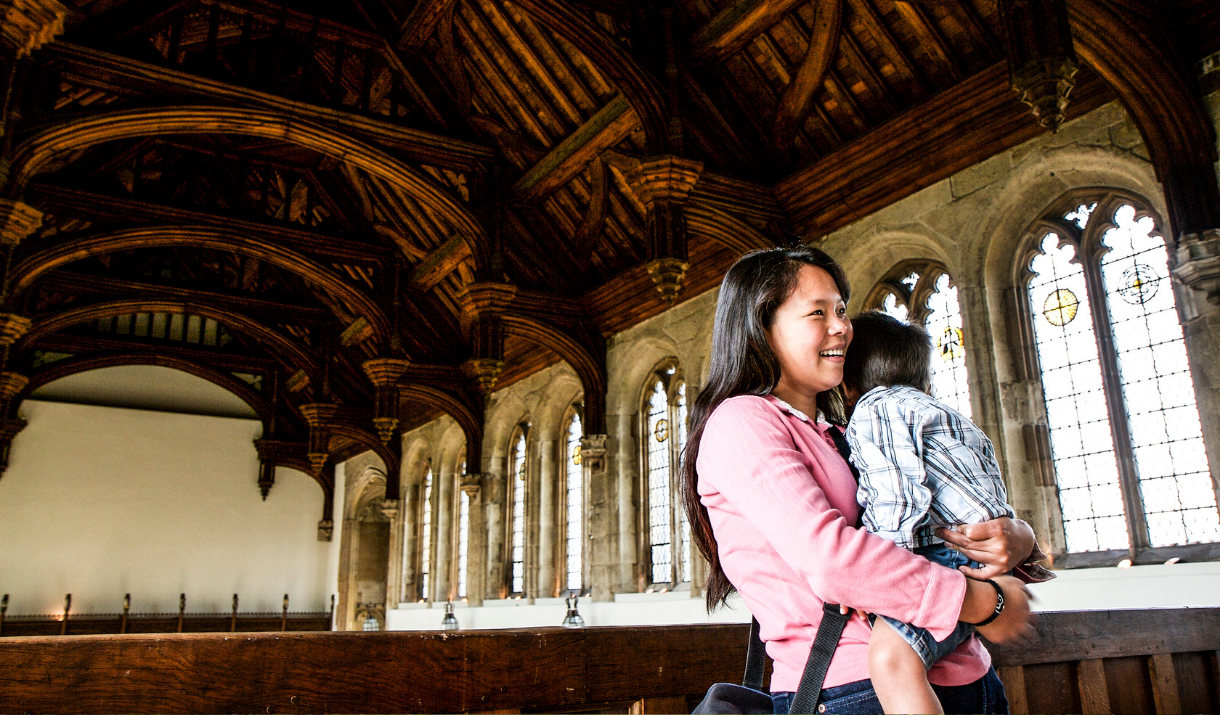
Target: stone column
(602,526)
(546,565)
(476,546)
(393,573)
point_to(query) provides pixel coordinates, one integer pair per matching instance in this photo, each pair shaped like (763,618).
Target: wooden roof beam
(736,26)
(930,38)
(98,207)
(257,307)
(77,345)
(799,96)
(88,66)
(612,124)
(436,266)
(867,14)
(421,22)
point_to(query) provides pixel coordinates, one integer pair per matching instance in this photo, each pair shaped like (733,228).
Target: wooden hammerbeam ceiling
(735,26)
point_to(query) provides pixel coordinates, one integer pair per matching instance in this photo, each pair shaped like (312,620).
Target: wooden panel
(649,706)
(1094,693)
(1128,686)
(1197,682)
(1165,684)
(1056,692)
(1013,677)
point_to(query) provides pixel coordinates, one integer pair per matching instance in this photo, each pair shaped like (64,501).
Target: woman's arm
(1000,545)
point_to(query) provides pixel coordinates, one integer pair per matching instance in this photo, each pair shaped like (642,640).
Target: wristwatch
(999,604)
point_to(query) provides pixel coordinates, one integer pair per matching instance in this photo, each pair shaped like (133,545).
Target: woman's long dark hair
(744,364)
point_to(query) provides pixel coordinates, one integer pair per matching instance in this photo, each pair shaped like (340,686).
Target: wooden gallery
(348,348)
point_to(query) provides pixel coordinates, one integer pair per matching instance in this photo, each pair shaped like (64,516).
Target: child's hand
(844,609)
(1000,545)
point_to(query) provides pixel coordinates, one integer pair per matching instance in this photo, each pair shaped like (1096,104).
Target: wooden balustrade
(1162,660)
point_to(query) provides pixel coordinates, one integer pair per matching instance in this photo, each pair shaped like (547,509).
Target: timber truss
(358,215)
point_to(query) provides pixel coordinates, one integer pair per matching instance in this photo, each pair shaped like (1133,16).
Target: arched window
(463,530)
(1123,425)
(425,536)
(664,436)
(922,292)
(516,473)
(575,511)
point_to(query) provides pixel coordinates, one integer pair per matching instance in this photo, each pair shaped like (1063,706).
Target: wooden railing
(1098,661)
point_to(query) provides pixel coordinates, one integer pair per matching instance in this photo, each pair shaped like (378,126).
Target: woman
(772,502)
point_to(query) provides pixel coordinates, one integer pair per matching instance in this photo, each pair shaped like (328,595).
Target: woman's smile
(810,335)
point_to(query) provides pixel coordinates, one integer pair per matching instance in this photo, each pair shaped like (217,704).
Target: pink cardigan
(783,505)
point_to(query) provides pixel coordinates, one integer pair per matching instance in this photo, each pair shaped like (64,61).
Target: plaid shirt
(922,465)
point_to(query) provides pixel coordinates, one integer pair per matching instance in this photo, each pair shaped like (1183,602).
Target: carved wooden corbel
(11,384)
(17,221)
(384,374)
(318,415)
(1041,60)
(483,306)
(662,184)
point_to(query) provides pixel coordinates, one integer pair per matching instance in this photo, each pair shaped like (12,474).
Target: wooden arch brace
(31,267)
(798,98)
(40,151)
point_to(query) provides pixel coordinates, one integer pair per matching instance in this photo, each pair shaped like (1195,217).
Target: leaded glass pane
(1175,481)
(518,541)
(950,384)
(683,524)
(894,308)
(1081,443)
(658,455)
(425,537)
(575,492)
(463,533)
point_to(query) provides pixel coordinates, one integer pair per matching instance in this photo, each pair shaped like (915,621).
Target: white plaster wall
(102,501)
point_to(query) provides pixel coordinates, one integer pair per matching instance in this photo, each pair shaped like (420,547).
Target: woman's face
(810,334)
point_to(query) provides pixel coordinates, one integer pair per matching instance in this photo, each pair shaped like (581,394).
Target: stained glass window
(575,502)
(463,532)
(1143,375)
(683,524)
(517,477)
(925,295)
(1175,482)
(669,535)
(1081,443)
(659,509)
(425,536)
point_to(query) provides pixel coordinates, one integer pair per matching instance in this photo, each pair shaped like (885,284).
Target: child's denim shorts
(929,649)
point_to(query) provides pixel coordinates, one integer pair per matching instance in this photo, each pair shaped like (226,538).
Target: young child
(922,465)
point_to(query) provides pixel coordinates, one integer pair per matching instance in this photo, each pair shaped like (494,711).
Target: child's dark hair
(885,351)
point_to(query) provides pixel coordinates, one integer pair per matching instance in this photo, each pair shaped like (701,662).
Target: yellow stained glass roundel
(950,344)
(1060,307)
(661,431)
(576,454)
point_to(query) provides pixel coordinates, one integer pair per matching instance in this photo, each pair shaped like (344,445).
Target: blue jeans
(985,695)
(925,646)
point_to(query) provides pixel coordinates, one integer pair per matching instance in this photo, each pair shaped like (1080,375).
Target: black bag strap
(756,659)
(809,691)
(824,644)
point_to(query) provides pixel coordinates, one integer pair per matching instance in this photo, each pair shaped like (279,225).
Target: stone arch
(35,265)
(589,365)
(866,262)
(40,151)
(467,418)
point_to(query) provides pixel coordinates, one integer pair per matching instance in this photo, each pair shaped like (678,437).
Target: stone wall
(972,223)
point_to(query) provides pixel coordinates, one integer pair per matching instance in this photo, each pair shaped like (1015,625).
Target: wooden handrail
(540,669)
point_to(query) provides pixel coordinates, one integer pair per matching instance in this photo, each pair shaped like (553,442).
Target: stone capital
(593,452)
(326,529)
(1197,263)
(389,508)
(471,484)
(30,24)
(17,220)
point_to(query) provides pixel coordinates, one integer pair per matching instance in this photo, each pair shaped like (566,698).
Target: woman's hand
(1000,545)
(1016,620)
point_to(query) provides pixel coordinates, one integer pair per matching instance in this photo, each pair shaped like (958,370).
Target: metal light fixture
(449,622)
(573,619)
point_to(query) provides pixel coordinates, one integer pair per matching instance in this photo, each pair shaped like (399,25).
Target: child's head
(885,352)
